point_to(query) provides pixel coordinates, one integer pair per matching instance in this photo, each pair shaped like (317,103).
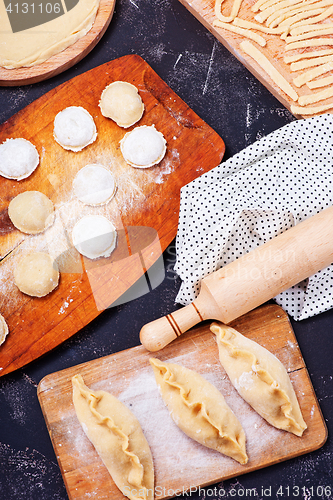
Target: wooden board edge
(64,60)
(245,61)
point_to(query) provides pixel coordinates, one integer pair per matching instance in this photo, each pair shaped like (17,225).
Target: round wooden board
(65,59)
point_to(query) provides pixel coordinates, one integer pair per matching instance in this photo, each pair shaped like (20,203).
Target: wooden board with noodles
(286,44)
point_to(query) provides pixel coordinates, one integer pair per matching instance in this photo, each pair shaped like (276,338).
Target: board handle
(160,332)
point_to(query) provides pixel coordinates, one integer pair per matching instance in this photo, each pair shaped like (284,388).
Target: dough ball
(94,236)
(18,159)
(74,128)
(121,102)
(94,185)
(36,274)
(3,329)
(31,212)
(143,147)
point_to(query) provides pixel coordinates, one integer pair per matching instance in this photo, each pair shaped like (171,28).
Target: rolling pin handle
(160,332)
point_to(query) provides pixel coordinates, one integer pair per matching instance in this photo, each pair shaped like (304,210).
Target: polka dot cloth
(257,194)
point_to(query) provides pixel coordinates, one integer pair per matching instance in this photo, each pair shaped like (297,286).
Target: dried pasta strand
(315,19)
(277,15)
(309,27)
(316,42)
(312,74)
(310,110)
(311,34)
(240,31)
(304,100)
(234,10)
(281,7)
(307,55)
(304,14)
(321,82)
(242,23)
(267,66)
(300,65)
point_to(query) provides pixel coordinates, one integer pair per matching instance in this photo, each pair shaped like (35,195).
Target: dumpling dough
(3,329)
(74,128)
(31,212)
(94,236)
(18,158)
(118,438)
(94,185)
(200,410)
(143,147)
(36,274)
(121,102)
(260,378)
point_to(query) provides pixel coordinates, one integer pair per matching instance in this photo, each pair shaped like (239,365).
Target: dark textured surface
(223,93)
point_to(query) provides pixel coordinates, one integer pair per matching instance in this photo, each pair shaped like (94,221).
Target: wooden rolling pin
(251,280)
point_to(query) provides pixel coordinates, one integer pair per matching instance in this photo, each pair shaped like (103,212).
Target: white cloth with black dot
(265,189)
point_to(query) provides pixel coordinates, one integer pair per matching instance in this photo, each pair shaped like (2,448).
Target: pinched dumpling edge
(277,385)
(229,445)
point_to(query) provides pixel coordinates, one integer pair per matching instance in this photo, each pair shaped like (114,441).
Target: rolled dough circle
(94,185)
(94,236)
(18,158)
(31,212)
(143,146)
(3,329)
(122,102)
(36,274)
(74,128)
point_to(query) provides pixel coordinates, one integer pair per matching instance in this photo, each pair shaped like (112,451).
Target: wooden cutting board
(180,463)
(65,59)
(274,50)
(144,209)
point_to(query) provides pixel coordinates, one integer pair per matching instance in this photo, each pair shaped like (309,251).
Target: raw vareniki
(31,212)
(74,128)
(118,438)
(121,102)
(143,147)
(94,185)
(200,410)
(94,236)
(36,274)
(3,329)
(18,158)
(260,378)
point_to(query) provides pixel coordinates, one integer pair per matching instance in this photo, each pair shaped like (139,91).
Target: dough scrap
(199,409)
(94,236)
(118,439)
(18,158)
(260,378)
(143,147)
(35,45)
(36,274)
(3,329)
(74,128)
(122,102)
(31,212)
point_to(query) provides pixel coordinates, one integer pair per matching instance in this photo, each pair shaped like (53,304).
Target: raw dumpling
(121,102)
(18,159)
(118,438)
(94,236)
(36,274)
(143,146)
(74,128)
(200,410)
(3,329)
(94,185)
(260,378)
(31,212)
